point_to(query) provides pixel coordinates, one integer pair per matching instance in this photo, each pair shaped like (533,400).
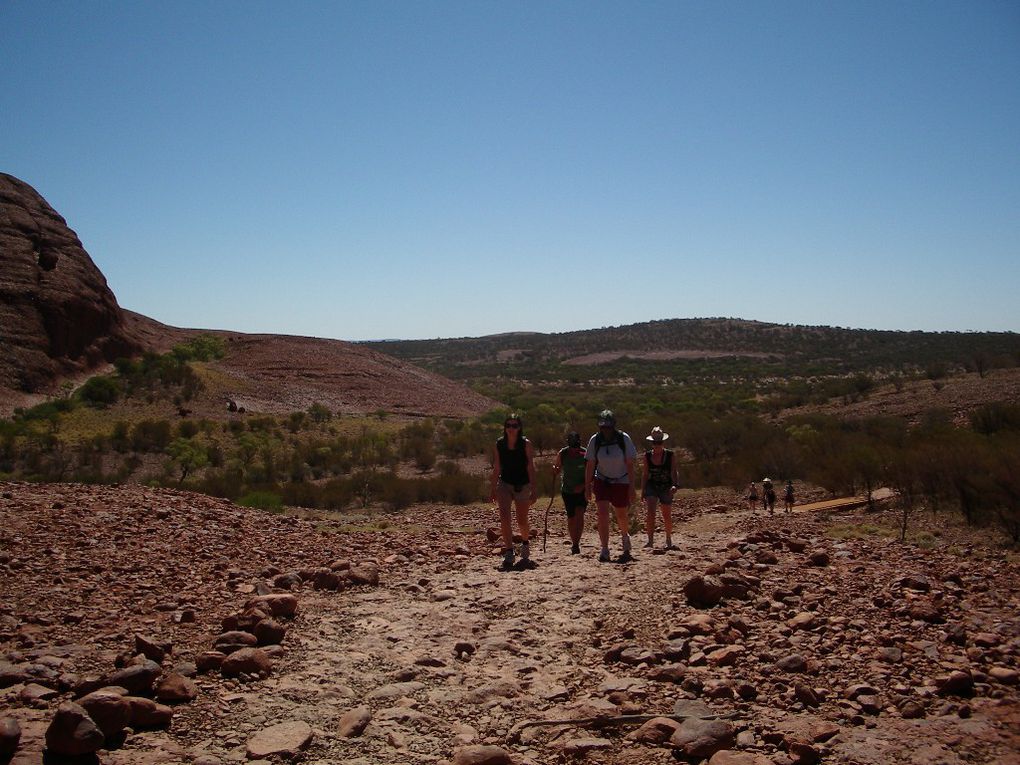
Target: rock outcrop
(57,314)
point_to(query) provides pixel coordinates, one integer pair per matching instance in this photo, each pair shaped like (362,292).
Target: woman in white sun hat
(660,479)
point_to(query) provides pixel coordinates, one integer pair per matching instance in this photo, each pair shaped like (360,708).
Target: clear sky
(381,169)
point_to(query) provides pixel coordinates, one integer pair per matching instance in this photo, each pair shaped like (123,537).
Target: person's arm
(630,478)
(495,473)
(530,453)
(589,476)
(674,471)
(644,476)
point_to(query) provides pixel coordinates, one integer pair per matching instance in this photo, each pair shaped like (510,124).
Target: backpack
(600,441)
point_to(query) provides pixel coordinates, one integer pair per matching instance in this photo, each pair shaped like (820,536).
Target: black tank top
(513,463)
(660,475)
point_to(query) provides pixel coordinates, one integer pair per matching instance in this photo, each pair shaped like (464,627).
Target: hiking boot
(575,548)
(670,545)
(626,544)
(604,555)
(649,545)
(508,560)
(525,551)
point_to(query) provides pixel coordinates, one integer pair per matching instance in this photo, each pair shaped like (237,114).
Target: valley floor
(823,648)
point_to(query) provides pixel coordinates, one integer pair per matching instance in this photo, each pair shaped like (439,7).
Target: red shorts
(617,494)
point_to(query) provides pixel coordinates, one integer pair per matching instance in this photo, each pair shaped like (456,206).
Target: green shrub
(100,391)
(263,500)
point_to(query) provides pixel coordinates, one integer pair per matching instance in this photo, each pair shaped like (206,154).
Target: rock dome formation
(57,314)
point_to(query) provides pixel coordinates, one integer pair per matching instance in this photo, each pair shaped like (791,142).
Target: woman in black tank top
(513,483)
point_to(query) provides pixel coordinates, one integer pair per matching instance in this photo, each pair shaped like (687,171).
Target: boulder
(175,689)
(138,678)
(109,710)
(697,739)
(249,661)
(703,591)
(10,736)
(269,632)
(276,605)
(72,732)
(147,714)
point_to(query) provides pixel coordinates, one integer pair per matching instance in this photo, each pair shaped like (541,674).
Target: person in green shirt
(570,467)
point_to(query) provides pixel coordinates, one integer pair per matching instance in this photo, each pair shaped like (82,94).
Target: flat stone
(697,738)
(478,754)
(283,740)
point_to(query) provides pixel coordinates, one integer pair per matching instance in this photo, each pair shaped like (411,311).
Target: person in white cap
(659,482)
(609,476)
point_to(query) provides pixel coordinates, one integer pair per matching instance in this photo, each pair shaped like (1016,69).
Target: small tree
(188,456)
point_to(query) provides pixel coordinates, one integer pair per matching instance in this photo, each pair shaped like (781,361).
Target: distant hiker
(513,482)
(768,497)
(658,485)
(788,496)
(570,466)
(752,496)
(609,475)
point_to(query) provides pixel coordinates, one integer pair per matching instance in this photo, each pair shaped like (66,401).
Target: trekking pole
(545,528)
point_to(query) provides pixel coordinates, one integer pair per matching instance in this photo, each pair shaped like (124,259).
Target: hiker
(768,496)
(570,467)
(513,482)
(609,475)
(658,484)
(788,496)
(752,496)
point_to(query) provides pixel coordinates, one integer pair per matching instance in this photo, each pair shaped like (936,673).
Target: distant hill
(675,347)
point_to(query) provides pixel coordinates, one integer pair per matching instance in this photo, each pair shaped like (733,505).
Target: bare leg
(603,522)
(575,525)
(623,522)
(522,518)
(505,527)
(667,523)
(650,503)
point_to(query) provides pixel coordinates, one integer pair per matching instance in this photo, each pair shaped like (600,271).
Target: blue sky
(366,170)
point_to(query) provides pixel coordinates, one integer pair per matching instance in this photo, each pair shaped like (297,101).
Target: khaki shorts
(508,492)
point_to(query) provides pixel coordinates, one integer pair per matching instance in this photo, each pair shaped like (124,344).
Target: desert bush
(100,391)
(263,500)
(188,456)
(150,435)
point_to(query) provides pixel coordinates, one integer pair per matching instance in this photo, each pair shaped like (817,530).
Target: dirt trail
(539,640)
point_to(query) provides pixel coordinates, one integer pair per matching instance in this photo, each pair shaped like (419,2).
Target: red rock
(58,314)
(283,740)
(109,710)
(364,574)
(146,714)
(278,605)
(209,661)
(250,661)
(175,688)
(138,678)
(703,591)
(657,731)
(10,736)
(481,755)
(697,738)
(730,757)
(72,732)
(152,649)
(354,721)
(270,632)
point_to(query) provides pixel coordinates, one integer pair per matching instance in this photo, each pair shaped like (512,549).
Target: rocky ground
(407,645)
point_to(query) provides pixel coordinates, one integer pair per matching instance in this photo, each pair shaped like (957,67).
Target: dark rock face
(57,313)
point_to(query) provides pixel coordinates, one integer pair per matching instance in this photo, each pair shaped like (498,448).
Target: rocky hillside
(59,321)
(162,627)
(57,314)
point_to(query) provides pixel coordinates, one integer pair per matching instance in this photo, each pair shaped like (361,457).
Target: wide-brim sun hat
(657,436)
